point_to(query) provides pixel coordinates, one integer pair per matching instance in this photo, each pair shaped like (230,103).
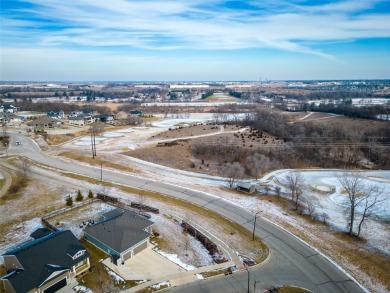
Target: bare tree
(324,217)
(278,190)
(311,210)
(295,184)
(25,167)
(257,163)
(371,196)
(233,172)
(360,196)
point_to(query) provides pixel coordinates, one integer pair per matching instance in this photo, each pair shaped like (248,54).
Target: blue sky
(82,40)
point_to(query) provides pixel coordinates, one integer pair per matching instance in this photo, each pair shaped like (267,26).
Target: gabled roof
(120,230)
(42,258)
(104,116)
(42,121)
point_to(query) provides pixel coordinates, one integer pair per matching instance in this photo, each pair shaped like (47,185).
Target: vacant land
(182,153)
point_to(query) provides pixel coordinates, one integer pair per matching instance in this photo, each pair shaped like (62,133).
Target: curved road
(290,262)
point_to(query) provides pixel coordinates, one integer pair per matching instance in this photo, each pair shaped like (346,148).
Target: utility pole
(254,227)
(94,140)
(93,152)
(247,269)
(101,172)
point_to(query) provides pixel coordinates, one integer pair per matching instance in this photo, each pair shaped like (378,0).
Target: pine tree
(90,194)
(69,200)
(79,196)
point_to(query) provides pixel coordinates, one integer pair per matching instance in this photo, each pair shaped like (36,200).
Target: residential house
(41,123)
(46,264)
(106,118)
(135,113)
(75,114)
(121,234)
(81,120)
(9,118)
(56,114)
(9,109)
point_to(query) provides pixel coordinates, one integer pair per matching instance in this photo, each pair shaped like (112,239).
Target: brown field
(178,154)
(328,120)
(193,130)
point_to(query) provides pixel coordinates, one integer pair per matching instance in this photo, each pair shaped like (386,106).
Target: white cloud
(197,24)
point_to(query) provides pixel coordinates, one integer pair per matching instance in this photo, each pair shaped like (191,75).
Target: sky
(193,40)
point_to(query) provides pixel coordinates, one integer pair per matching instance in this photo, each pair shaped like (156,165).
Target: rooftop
(120,230)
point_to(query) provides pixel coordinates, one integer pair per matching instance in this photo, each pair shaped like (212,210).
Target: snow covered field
(336,201)
(135,137)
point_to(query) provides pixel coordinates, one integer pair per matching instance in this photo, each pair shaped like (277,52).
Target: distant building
(42,123)
(188,86)
(56,114)
(135,113)
(46,264)
(106,118)
(246,187)
(9,109)
(81,120)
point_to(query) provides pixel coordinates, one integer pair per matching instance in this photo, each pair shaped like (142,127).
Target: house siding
(101,245)
(11,263)
(8,287)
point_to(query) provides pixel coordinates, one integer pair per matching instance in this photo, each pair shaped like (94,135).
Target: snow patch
(82,289)
(159,285)
(175,259)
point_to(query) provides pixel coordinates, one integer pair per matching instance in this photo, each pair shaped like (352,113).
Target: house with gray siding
(121,234)
(46,264)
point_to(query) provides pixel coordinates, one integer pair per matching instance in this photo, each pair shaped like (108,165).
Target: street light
(254,226)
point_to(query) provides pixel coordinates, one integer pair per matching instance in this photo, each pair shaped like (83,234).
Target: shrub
(90,194)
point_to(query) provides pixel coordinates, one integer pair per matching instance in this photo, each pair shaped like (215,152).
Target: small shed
(246,187)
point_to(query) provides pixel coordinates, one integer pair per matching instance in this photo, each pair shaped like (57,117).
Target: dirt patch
(350,125)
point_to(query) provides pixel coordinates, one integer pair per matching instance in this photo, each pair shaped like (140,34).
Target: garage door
(55,287)
(140,248)
(126,256)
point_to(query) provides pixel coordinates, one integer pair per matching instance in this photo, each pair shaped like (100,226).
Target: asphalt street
(291,261)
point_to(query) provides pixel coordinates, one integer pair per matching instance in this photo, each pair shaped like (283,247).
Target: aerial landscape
(194,146)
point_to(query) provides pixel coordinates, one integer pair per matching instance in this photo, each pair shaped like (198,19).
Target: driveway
(146,265)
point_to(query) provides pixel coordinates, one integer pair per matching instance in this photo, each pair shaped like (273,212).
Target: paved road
(290,262)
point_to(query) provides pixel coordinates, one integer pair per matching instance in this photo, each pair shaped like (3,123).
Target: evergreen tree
(79,196)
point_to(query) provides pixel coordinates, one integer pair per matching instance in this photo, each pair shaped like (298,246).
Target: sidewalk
(181,278)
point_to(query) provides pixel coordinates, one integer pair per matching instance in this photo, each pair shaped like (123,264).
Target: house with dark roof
(106,118)
(46,264)
(246,187)
(135,113)
(121,234)
(42,123)
(6,108)
(56,114)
